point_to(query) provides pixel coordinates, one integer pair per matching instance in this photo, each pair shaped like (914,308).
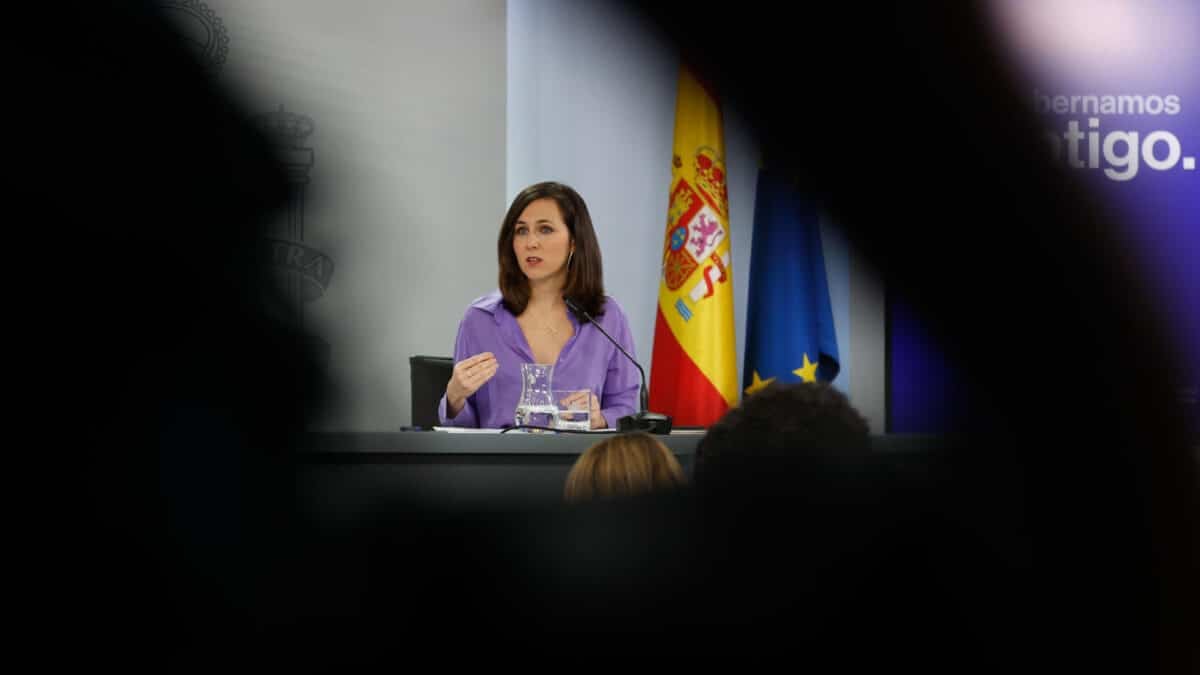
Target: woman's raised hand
(469,375)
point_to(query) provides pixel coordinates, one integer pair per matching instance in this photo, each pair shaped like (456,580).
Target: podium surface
(343,474)
(473,442)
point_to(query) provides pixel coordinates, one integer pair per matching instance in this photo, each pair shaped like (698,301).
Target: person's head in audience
(623,465)
(779,426)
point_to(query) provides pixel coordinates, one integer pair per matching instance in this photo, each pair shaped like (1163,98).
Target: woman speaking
(547,249)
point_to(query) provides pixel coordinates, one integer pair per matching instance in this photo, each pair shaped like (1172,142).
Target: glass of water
(574,409)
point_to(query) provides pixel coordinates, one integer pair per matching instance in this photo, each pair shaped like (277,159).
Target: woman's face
(541,241)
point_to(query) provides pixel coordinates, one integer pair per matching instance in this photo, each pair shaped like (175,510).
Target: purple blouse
(587,361)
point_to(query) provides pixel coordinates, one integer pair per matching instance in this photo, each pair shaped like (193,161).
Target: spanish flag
(693,374)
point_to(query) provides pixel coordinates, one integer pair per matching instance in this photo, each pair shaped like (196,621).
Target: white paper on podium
(467,430)
(472,430)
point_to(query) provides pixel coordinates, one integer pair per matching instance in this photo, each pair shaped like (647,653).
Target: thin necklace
(547,327)
(550,329)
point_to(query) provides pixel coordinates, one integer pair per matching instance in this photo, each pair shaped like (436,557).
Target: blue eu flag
(789,333)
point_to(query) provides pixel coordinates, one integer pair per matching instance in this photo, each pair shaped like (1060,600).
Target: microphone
(643,419)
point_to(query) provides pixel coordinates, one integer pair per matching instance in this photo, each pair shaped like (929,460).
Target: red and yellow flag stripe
(693,375)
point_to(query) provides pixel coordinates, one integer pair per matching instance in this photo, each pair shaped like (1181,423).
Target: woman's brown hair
(585,275)
(627,464)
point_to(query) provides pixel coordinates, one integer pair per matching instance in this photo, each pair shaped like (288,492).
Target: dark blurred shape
(1061,537)
(798,426)
(905,124)
(178,375)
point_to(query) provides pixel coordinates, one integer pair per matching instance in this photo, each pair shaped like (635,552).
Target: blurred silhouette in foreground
(1060,532)
(621,466)
(910,131)
(779,426)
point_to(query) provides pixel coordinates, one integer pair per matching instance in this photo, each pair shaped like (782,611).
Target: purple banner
(1117,86)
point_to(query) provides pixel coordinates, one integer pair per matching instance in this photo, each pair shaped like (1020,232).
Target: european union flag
(789,333)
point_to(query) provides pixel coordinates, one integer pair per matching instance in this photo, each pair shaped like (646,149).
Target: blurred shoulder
(613,312)
(484,308)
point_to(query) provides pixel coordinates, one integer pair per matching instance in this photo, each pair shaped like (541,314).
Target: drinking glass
(574,409)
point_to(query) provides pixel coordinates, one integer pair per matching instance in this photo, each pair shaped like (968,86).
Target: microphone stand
(643,419)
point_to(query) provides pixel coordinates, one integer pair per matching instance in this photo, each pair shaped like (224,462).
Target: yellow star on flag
(758,382)
(809,372)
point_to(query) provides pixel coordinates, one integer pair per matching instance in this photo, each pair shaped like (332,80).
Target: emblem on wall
(304,271)
(201,28)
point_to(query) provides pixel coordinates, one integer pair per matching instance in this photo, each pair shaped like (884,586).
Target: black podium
(342,475)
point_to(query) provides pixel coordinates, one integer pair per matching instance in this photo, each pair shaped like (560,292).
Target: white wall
(408,105)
